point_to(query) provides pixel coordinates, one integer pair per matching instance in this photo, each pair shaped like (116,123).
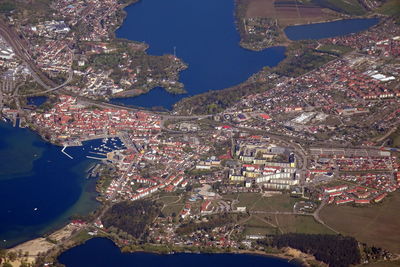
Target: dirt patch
(32,248)
(260,8)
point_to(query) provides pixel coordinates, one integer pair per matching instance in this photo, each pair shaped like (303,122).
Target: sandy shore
(42,245)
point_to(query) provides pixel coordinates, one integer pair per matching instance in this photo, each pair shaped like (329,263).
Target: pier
(65,153)
(90,157)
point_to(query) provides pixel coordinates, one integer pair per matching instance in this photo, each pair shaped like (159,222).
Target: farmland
(287,12)
(351,7)
(376,225)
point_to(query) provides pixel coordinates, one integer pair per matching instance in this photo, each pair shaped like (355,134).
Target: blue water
(205,38)
(37,100)
(150,100)
(101,252)
(40,187)
(329,29)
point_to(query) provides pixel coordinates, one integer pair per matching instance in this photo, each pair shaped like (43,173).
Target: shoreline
(288,254)
(258,252)
(47,245)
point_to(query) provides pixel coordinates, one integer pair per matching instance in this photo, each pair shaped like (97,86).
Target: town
(278,161)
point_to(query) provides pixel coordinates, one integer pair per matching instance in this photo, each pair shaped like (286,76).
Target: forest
(335,250)
(132,217)
(213,221)
(306,61)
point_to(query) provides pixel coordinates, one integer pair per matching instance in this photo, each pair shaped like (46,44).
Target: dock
(90,157)
(65,153)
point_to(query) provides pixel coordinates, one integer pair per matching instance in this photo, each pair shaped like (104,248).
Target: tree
(3,253)
(12,255)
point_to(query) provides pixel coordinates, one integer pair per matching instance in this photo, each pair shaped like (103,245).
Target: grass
(377,224)
(175,208)
(166,200)
(81,237)
(247,199)
(275,203)
(301,224)
(253,230)
(395,138)
(390,8)
(335,49)
(256,226)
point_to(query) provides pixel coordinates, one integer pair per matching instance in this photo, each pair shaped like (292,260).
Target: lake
(205,37)
(36,100)
(329,29)
(101,252)
(40,187)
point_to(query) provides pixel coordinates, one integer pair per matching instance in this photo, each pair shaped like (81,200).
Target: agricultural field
(288,12)
(351,7)
(376,225)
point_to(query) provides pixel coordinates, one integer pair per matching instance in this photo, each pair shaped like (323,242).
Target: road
(318,219)
(13,39)
(48,90)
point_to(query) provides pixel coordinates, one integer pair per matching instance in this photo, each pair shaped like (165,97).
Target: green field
(390,8)
(258,202)
(395,138)
(377,224)
(169,210)
(275,203)
(274,224)
(167,199)
(256,226)
(335,49)
(248,199)
(301,225)
(351,7)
